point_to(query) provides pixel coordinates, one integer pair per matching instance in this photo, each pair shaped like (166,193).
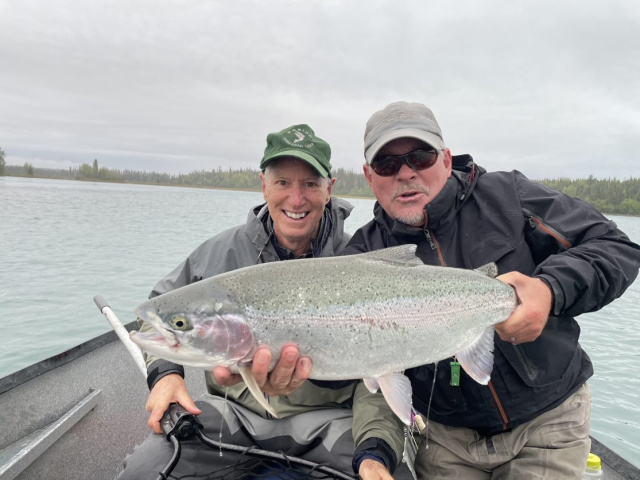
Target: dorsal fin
(404,254)
(489,269)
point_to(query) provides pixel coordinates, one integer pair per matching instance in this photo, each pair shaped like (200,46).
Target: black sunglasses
(389,165)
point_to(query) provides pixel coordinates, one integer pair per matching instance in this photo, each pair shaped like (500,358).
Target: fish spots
(200,309)
(379,323)
(368,320)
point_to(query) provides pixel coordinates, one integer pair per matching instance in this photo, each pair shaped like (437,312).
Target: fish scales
(362,305)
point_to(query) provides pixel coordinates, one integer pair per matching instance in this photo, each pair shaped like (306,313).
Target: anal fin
(397,391)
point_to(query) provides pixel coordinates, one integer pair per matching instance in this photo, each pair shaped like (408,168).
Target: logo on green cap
(300,134)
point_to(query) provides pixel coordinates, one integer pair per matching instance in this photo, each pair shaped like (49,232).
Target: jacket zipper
(434,245)
(535,221)
(503,414)
(433,242)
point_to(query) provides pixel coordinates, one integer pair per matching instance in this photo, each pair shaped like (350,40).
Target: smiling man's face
(296,195)
(405,194)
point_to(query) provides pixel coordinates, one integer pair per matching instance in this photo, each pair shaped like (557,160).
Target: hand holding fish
(289,373)
(529,318)
(167,390)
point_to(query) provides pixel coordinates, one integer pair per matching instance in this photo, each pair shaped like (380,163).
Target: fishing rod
(178,424)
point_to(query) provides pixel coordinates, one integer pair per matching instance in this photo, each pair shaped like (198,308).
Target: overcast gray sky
(551,88)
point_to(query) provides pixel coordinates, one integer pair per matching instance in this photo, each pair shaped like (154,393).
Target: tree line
(609,195)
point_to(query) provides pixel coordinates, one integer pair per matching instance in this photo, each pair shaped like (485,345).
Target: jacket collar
(316,246)
(336,212)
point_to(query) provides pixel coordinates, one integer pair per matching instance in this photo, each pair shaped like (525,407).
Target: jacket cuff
(162,368)
(374,448)
(557,302)
(332,384)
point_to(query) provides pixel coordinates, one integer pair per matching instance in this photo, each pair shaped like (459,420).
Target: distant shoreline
(127,182)
(610,195)
(208,187)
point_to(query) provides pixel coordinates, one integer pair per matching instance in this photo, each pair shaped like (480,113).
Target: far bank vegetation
(609,195)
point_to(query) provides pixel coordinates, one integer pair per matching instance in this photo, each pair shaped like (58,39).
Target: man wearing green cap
(299,219)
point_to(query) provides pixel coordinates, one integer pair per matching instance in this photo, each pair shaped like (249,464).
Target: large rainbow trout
(368,316)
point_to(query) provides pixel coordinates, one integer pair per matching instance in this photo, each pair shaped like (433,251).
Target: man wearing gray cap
(561,256)
(299,219)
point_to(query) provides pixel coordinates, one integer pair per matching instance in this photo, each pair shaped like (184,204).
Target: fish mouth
(180,353)
(150,316)
(153,340)
(296,215)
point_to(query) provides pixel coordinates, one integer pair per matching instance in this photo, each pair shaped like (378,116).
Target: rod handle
(100,302)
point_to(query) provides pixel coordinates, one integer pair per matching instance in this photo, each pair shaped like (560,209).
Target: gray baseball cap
(398,120)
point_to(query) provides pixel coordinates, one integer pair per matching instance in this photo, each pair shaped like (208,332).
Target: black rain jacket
(523,226)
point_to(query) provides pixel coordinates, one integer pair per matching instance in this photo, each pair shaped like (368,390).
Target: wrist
(160,369)
(374,449)
(369,456)
(557,295)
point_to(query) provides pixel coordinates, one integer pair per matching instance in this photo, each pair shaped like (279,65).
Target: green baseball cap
(299,141)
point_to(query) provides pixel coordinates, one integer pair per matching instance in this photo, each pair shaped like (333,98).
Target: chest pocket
(510,253)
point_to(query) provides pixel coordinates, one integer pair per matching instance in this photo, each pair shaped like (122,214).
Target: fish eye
(180,322)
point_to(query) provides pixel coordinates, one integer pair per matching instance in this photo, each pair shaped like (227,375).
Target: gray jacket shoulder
(243,246)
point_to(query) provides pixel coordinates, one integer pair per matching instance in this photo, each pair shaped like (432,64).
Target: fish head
(205,337)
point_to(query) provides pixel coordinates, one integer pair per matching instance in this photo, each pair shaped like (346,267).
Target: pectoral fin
(477,359)
(254,388)
(397,391)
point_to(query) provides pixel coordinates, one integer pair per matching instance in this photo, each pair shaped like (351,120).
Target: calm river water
(62,242)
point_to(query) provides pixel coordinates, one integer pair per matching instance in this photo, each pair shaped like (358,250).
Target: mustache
(410,187)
